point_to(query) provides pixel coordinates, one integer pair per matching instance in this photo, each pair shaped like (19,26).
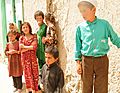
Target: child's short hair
(86,3)
(12,32)
(39,13)
(53,51)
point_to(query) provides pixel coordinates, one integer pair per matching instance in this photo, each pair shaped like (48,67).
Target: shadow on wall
(52,8)
(61,47)
(62,50)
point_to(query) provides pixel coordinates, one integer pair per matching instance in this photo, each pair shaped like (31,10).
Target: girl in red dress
(28,46)
(14,60)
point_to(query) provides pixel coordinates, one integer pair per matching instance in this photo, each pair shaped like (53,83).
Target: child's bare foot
(19,91)
(15,89)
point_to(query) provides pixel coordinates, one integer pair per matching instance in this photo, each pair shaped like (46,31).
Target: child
(52,74)
(92,47)
(13,27)
(41,33)
(28,46)
(51,35)
(14,60)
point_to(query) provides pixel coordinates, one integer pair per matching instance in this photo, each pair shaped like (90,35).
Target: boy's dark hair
(39,13)
(53,51)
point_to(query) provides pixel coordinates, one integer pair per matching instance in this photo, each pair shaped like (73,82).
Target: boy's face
(49,58)
(87,13)
(39,20)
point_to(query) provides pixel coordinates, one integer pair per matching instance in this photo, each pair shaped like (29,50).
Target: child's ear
(56,59)
(94,9)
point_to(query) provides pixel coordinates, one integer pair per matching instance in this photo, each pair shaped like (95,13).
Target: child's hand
(12,52)
(22,45)
(45,39)
(24,50)
(18,52)
(41,86)
(50,38)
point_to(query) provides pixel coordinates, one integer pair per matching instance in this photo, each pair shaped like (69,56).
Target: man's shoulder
(102,20)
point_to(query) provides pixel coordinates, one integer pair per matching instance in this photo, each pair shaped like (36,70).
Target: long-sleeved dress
(14,60)
(30,65)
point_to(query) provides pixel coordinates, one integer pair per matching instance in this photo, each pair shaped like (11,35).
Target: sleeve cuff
(78,59)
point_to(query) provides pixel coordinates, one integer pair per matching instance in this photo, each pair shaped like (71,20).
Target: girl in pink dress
(28,45)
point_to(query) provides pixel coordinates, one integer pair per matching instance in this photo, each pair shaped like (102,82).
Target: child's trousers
(17,81)
(95,74)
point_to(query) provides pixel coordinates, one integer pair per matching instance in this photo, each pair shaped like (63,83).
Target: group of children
(33,52)
(91,48)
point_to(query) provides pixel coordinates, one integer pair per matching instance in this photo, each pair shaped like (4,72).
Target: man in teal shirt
(91,48)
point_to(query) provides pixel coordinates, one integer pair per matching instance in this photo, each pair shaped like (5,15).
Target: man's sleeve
(113,36)
(78,44)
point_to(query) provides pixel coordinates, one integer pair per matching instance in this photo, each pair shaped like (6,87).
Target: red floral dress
(30,65)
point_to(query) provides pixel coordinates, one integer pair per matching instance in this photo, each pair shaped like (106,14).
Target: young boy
(92,48)
(52,74)
(39,17)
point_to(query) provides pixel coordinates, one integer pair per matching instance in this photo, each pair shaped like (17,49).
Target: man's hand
(79,67)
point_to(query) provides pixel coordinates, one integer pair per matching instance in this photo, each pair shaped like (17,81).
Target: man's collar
(94,22)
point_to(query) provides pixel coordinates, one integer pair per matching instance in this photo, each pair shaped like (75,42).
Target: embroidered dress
(30,65)
(52,35)
(14,60)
